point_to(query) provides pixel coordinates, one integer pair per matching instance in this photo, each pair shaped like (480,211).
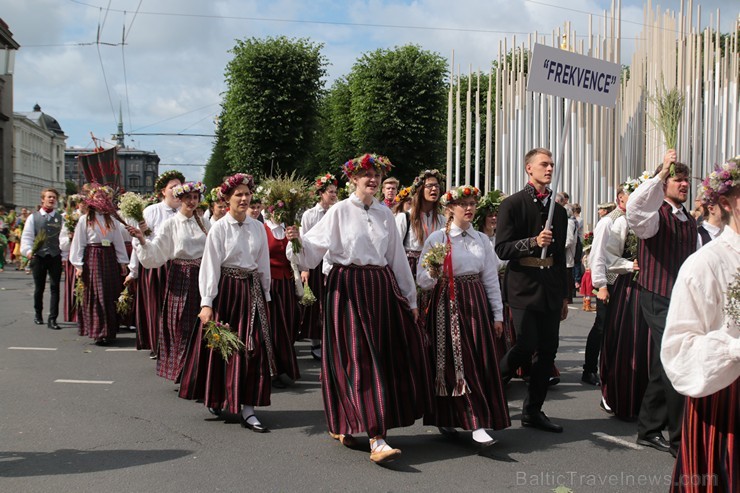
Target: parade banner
(101,167)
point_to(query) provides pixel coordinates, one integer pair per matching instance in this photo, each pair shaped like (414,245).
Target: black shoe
(540,421)
(656,441)
(52,324)
(278,384)
(38,319)
(447,432)
(604,407)
(257,428)
(101,342)
(316,352)
(215,411)
(590,378)
(553,381)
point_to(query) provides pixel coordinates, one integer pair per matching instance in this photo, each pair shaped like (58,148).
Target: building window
(134,167)
(133,182)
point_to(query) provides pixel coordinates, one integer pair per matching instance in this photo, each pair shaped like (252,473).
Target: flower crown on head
(631,184)
(231,182)
(166,177)
(721,181)
(427,173)
(96,188)
(458,193)
(100,198)
(187,187)
(363,163)
(403,194)
(323,182)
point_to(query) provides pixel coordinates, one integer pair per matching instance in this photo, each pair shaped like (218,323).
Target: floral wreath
(458,193)
(362,163)
(403,194)
(96,188)
(187,187)
(721,181)
(100,198)
(631,184)
(231,182)
(323,182)
(488,205)
(166,177)
(428,173)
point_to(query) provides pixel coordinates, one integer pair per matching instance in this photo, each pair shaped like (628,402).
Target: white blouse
(472,253)
(277,230)
(311,217)
(352,233)
(233,244)
(701,344)
(97,233)
(427,219)
(154,216)
(615,263)
(179,237)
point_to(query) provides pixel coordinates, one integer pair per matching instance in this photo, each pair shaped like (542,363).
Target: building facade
(8,46)
(139,169)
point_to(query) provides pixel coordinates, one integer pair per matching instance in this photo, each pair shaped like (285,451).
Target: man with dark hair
(668,235)
(47,260)
(536,288)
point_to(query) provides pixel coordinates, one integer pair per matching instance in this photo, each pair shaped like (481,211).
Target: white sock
(248,414)
(481,436)
(379,445)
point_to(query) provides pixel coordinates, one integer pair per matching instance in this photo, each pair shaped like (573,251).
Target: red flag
(101,167)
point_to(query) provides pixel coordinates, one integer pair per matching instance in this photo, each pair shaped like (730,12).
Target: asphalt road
(128,431)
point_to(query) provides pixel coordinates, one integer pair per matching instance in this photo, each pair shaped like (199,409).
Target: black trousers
(40,268)
(596,336)
(661,404)
(536,331)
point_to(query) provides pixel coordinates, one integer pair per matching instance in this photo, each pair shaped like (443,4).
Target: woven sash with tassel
(258,308)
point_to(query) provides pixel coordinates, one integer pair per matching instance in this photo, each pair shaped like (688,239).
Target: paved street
(126,429)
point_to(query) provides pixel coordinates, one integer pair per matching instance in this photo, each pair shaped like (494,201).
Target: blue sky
(176,52)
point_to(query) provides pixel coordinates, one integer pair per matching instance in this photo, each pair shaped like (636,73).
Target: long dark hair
(416,205)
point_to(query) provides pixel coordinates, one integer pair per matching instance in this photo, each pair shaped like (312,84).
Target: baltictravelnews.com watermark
(570,481)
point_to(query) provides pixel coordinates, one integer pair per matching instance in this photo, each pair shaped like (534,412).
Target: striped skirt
(101,275)
(283,324)
(244,378)
(708,459)
(70,307)
(179,316)
(149,299)
(375,371)
(484,404)
(312,321)
(423,297)
(625,351)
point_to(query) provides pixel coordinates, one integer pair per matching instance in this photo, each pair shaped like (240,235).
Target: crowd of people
(429,300)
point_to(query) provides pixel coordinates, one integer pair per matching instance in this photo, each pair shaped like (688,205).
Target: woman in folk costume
(624,364)
(465,316)
(99,257)
(74,206)
(701,348)
(150,288)
(312,319)
(181,241)
(283,305)
(234,283)
(374,370)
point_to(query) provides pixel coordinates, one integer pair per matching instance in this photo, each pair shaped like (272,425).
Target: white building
(38,156)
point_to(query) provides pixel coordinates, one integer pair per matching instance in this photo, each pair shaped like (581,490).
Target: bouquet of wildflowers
(220,337)
(71,218)
(308,297)
(732,308)
(588,239)
(669,106)
(132,206)
(125,302)
(286,198)
(79,292)
(434,258)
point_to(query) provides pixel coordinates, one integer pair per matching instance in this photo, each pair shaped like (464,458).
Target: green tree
(271,104)
(338,145)
(70,187)
(217,167)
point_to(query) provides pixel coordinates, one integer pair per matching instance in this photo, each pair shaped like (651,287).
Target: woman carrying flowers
(465,317)
(374,371)
(99,257)
(180,242)
(312,319)
(71,217)
(234,283)
(701,347)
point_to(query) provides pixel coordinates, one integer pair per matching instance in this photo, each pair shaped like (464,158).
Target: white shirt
(598,251)
(701,344)
(64,243)
(427,219)
(312,217)
(179,237)
(714,231)
(154,215)
(29,232)
(615,263)
(231,245)
(277,230)
(349,234)
(97,233)
(472,253)
(570,243)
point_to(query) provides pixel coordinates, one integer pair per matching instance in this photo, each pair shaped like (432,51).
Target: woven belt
(187,261)
(413,253)
(468,278)
(237,272)
(364,267)
(536,262)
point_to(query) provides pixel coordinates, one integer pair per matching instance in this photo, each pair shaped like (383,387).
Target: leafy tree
(271,104)
(217,167)
(70,187)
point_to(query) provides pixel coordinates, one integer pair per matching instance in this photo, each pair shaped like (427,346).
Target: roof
(41,119)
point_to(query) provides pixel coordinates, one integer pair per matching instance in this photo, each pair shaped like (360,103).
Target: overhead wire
(102,68)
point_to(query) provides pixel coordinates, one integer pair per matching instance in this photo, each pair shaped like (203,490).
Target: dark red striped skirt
(129,320)
(484,406)
(70,276)
(244,379)
(150,290)
(312,321)
(179,316)
(101,275)
(375,369)
(625,351)
(708,459)
(283,324)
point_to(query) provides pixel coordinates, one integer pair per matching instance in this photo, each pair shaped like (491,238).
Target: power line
(176,116)
(105,78)
(170,134)
(132,21)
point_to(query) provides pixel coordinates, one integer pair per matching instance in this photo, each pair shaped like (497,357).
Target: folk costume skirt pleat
(243,379)
(70,300)
(149,299)
(375,369)
(708,459)
(283,325)
(101,275)
(179,316)
(484,405)
(312,321)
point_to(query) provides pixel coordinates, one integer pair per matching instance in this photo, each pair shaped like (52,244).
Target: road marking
(103,382)
(573,308)
(118,349)
(618,441)
(33,348)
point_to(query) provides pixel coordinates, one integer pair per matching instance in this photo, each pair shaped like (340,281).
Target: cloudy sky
(168,76)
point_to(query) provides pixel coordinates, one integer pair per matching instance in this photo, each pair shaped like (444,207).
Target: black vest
(52,226)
